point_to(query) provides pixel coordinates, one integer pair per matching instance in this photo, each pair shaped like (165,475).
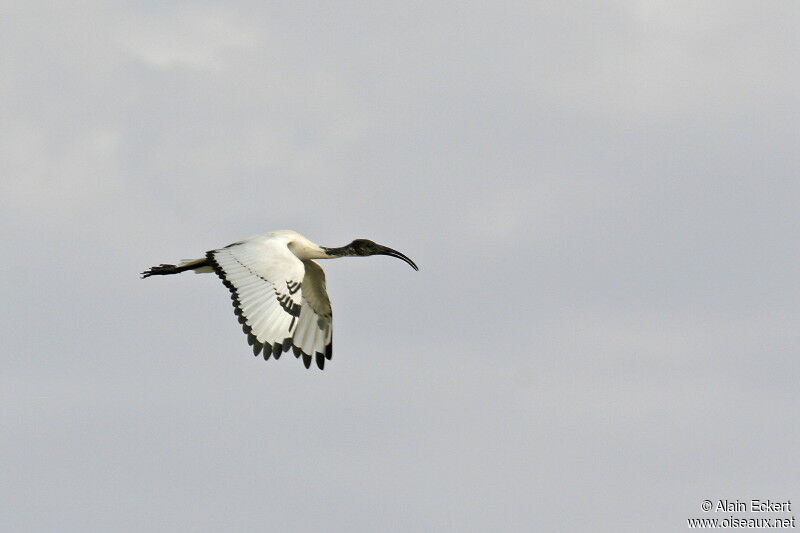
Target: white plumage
(278,291)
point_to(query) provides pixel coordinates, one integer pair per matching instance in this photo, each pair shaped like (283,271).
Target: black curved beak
(385,250)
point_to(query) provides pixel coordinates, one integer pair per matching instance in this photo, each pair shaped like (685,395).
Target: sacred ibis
(278,292)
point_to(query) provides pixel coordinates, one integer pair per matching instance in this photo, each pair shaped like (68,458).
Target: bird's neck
(342,251)
(307,250)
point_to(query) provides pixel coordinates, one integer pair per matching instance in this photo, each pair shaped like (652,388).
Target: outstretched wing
(313,334)
(264,278)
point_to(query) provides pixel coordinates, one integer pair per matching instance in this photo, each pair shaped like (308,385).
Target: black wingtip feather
(307,360)
(251,339)
(320,360)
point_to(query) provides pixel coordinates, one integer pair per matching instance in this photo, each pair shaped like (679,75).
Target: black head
(365,247)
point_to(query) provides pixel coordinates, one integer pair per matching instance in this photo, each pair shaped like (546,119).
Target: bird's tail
(198,265)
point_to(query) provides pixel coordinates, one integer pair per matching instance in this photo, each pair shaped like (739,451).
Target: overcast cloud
(602,198)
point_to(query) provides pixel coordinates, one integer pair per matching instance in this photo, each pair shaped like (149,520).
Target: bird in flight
(278,292)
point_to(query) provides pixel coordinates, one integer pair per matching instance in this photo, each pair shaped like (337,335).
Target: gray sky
(602,197)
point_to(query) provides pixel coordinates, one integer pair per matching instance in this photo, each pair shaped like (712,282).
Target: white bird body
(278,292)
(299,245)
